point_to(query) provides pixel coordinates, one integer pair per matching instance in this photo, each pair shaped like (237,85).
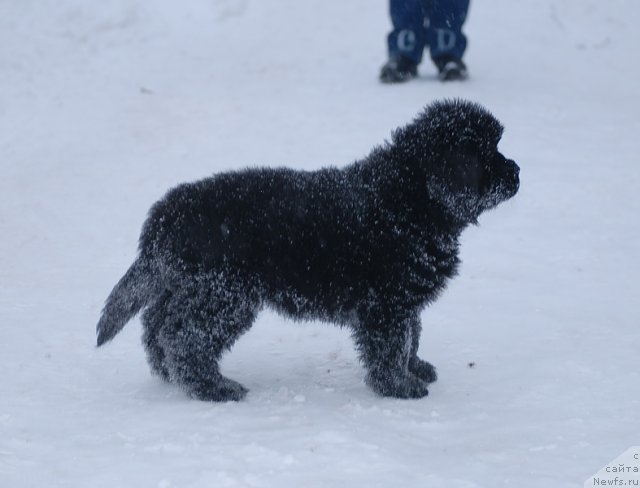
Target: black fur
(367,246)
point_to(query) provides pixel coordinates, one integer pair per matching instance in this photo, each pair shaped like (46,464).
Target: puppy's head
(456,144)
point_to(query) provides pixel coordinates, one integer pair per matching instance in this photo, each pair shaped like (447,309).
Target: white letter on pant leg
(406,40)
(446,40)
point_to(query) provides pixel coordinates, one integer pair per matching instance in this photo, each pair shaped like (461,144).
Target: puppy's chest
(434,259)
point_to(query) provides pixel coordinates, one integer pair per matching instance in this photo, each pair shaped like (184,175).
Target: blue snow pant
(433,23)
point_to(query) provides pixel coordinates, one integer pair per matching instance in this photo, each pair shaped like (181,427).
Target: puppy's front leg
(417,366)
(384,338)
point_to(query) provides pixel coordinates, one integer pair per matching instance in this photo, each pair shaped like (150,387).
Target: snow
(106,105)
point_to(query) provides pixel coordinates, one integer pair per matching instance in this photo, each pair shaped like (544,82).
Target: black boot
(397,70)
(451,69)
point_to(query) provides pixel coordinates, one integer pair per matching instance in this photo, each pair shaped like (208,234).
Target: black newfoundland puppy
(366,246)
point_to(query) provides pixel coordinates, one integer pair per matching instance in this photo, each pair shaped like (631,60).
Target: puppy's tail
(134,290)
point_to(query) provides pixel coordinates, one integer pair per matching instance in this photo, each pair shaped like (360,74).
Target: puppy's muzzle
(514,176)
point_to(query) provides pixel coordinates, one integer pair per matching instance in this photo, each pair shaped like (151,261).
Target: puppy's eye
(498,158)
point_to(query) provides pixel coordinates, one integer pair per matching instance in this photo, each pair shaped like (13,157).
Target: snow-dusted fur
(366,246)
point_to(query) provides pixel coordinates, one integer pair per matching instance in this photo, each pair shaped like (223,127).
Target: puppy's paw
(423,370)
(222,390)
(397,385)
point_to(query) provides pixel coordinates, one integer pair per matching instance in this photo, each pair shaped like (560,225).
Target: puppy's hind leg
(153,319)
(204,318)
(384,338)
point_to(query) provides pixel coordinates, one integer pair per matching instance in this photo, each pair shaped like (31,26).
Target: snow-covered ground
(105,105)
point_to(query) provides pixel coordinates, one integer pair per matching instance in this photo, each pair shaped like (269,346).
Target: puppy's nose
(516,168)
